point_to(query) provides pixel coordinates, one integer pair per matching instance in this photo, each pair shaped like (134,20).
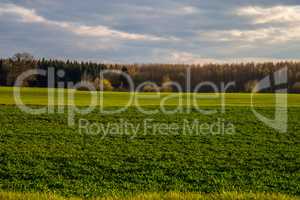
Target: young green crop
(41,153)
(39,96)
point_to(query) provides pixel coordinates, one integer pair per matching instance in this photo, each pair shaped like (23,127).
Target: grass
(155,196)
(39,96)
(41,154)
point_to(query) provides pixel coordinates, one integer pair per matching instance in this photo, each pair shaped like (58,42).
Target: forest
(244,75)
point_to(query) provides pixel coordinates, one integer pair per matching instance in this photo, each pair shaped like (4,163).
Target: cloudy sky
(143,31)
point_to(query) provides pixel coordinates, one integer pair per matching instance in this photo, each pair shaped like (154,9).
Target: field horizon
(39,97)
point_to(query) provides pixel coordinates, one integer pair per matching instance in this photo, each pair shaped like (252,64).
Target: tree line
(244,75)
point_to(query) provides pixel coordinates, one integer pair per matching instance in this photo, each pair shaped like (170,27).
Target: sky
(152,31)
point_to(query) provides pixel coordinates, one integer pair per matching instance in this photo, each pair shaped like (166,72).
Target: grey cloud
(188,21)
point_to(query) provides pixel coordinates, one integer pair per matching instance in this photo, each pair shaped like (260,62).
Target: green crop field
(41,155)
(39,96)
